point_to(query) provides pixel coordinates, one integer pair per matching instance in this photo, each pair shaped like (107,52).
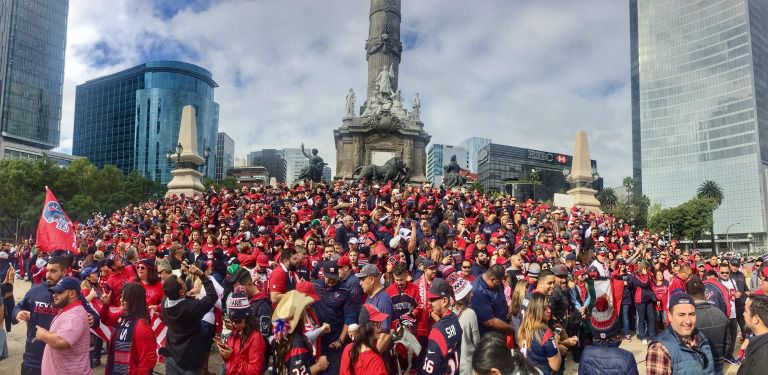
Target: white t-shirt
(728,284)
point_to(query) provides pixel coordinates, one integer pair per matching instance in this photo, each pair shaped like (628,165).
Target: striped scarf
(119,359)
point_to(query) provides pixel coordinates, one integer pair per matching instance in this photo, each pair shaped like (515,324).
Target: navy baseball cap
(331,270)
(439,289)
(67,283)
(680,299)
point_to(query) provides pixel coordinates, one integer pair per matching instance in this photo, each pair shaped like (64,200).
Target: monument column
(383,47)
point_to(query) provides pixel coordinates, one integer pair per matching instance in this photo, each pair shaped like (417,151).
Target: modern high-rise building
(225,155)
(131,118)
(526,173)
(295,161)
(272,160)
(473,145)
(327,174)
(438,156)
(700,107)
(33,37)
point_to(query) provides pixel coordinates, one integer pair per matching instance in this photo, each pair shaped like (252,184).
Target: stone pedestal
(582,176)
(584,197)
(186,179)
(375,139)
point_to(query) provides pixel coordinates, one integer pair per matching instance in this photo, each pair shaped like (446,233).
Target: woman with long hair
(146,276)
(516,304)
(244,351)
(644,303)
(294,353)
(132,347)
(492,357)
(361,357)
(659,287)
(536,339)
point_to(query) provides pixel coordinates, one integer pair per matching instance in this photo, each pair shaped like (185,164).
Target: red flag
(54,230)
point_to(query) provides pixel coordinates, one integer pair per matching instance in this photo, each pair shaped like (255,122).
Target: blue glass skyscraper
(131,119)
(33,37)
(700,106)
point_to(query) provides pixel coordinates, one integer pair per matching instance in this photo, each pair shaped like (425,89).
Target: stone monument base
(377,138)
(185,181)
(584,197)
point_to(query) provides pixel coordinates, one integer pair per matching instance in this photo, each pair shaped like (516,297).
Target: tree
(689,220)
(607,198)
(629,184)
(711,190)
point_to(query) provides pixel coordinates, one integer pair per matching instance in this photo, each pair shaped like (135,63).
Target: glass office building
(473,145)
(131,119)
(700,105)
(271,159)
(438,156)
(508,169)
(225,155)
(33,38)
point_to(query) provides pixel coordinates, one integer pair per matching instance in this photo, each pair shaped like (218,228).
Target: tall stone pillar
(581,177)
(186,179)
(383,46)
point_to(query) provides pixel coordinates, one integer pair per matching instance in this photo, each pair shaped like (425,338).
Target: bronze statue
(453,176)
(393,170)
(314,171)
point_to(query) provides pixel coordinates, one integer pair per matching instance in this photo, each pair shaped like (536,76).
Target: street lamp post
(727,239)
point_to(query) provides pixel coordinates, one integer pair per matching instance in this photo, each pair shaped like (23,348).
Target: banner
(54,230)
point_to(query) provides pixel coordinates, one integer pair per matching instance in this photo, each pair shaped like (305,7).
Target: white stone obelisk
(186,179)
(581,176)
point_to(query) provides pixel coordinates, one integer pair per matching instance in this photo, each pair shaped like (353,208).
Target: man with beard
(67,342)
(481,263)
(334,308)
(405,296)
(119,275)
(38,311)
(283,278)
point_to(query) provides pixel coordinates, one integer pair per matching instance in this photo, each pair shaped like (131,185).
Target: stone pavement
(17,337)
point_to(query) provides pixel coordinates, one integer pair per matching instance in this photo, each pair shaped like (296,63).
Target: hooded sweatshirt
(184,340)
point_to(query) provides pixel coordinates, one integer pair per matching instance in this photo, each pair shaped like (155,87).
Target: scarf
(119,359)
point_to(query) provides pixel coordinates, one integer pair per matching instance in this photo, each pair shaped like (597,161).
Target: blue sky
(524,73)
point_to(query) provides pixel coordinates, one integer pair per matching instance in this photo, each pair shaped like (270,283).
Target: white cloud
(523,73)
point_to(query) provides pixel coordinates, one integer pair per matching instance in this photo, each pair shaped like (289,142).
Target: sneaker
(627,337)
(645,342)
(731,361)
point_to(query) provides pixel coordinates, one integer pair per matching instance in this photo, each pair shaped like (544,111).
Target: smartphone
(558,330)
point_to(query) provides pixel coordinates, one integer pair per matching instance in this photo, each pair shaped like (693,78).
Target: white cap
(601,239)
(353,240)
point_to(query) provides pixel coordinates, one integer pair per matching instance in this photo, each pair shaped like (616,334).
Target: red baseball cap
(344,261)
(307,288)
(262,260)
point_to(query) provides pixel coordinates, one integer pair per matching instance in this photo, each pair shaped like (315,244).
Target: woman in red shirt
(146,276)
(132,348)
(659,287)
(360,356)
(245,349)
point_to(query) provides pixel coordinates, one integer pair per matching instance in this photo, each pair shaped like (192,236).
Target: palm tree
(607,198)
(711,190)
(629,184)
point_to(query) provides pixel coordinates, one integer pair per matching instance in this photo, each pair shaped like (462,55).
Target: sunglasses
(238,320)
(465,267)
(725,273)
(141,267)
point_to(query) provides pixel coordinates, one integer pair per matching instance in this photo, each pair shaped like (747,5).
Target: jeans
(625,318)
(171,368)
(733,327)
(646,321)
(26,370)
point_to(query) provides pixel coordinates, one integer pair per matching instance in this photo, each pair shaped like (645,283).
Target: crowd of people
(358,279)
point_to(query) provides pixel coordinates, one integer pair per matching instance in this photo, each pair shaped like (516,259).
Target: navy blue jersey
(299,359)
(334,308)
(443,348)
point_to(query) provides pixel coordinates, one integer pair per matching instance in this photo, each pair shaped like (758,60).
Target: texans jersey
(443,348)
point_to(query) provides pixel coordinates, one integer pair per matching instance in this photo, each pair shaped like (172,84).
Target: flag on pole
(54,230)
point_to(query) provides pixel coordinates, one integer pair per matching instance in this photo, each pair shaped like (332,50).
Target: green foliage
(689,220)
(81,188)
(607,198)
(228,182)
(634,210)
(711,190)
(629,184)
